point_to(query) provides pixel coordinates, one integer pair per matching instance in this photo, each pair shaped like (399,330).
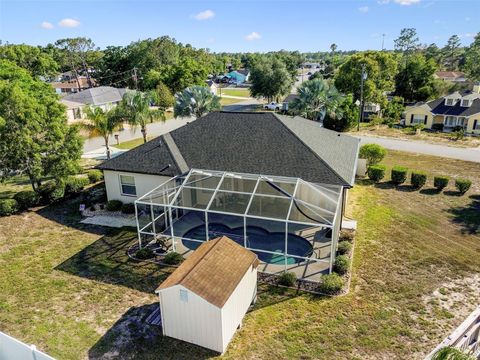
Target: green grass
(12,185)
(229,101)
(236,92)
(130,144)
(73,292)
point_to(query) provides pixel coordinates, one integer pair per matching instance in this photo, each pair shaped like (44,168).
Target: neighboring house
(246,73)
(237,76)
(287,101)
(205,299)
(103,96)
(369,110)
(460,110)
(66,87)
(453,76)
(212,86)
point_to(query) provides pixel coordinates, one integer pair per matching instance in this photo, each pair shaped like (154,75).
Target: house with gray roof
(459,110)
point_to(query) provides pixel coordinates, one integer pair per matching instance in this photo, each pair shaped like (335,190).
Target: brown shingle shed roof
(214,270)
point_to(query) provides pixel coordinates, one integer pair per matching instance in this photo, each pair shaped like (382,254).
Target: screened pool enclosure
(289,223)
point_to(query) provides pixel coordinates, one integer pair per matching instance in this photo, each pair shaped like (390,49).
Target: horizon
(235,27)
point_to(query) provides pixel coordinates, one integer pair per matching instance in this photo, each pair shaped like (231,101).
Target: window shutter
(411,119)
(426,118)
(475,125)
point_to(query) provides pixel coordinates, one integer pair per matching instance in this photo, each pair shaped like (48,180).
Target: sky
(240,26)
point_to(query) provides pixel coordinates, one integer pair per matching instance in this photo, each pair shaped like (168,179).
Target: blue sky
(248,25)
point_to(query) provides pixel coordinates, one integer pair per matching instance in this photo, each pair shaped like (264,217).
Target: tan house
(71,86)
(453,76)
(460,110)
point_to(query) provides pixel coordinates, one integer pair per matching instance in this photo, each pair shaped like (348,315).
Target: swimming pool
(257,238)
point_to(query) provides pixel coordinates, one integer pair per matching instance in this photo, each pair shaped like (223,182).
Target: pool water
(257,238)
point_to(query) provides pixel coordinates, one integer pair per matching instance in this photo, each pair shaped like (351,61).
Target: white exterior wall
(196,321)
(143,183)
(237,305)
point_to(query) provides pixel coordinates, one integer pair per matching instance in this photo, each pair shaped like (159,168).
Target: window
(476,125)
(127,184)
(465,103)
(450,121)
(449,102)
(418,119)
(183,295)
(460,121)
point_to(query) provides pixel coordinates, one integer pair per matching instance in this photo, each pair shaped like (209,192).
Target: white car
(272,106)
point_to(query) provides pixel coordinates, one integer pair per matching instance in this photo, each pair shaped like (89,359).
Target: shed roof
(213,271)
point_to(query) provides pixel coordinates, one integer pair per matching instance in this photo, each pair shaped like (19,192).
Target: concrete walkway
(421,147)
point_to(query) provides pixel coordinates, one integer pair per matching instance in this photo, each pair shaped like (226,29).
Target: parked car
(272,106)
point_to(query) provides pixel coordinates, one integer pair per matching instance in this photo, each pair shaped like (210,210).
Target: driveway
(415,146)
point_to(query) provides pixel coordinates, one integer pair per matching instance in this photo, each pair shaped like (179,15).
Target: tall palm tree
(101,123)
(316,98)
(195,101)
(135,109)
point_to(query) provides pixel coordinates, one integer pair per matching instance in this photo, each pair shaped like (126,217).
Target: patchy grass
(242,92)
(12,185)
(229,101)
(73,292)
(130,144)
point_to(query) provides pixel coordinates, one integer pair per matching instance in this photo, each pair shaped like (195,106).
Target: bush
(128,208)
(346,235)
(75,184)
(374,153)
(144,254)
(399,174)
(173,258)
(462,185)
(114,205)
(27,199)
(440,182)
(418,179)
(94,176)
(287,279)
(376,172)
(437,127)
(342,264)
(8,207)
(331,284)
(51,191)
(344,247)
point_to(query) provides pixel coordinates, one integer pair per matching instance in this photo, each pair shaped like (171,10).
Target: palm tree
(135,109)
(450,353)
(195,101)
(101,123)
(333,48)
(316,98)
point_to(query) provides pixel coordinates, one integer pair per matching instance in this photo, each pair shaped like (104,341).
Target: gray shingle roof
(97,96)
(256,143)
(438,107)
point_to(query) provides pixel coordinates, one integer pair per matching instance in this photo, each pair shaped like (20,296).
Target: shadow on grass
(468,217)
(431,191)
(453,193)
(106,260)
(131,337)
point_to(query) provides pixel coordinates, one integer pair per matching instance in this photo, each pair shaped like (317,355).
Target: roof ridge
(309,148)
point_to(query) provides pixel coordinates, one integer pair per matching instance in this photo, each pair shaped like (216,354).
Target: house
(212,86)
(103,96)
(287,101)
(70,86)
(460,110)
(453,76)
(263,179)
(238,76)
(205,299)
(370,109)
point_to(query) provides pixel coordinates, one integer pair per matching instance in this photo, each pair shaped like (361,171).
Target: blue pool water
(257,238)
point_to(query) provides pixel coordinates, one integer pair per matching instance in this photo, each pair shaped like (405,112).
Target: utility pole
(362,104)
(383,41)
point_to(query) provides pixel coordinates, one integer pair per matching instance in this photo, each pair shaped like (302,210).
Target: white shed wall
(144,183)
(196,321)
(237,305)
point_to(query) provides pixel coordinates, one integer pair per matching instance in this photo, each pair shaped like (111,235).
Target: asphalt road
(421,147)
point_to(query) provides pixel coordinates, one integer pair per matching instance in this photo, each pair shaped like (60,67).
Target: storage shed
(205,299)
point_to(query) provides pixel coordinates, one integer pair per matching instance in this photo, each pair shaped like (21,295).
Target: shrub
(287,279)
(51,191)
(418,179)
(94,176)
(346,235)
(144,253)
(128,208)
(437,127)
(8,207)
(342,264)
(440,182)
(399,174)
(462,185)
(75,184)
(374,153)
(27,199)
(173,258)
(344,247)
(331,284)
(114,205)
(376,172)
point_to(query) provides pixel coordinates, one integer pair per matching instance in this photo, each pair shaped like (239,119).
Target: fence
(13,349)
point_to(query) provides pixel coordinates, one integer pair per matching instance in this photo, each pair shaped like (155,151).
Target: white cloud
(406,2)
(383,2)
(204,15)
(467,35)
(70,23)
(363,9)
(46,25)
(252,36)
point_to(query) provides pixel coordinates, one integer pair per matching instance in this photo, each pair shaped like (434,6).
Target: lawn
(242,92)
(130,144)
(229,101)
(72,291)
